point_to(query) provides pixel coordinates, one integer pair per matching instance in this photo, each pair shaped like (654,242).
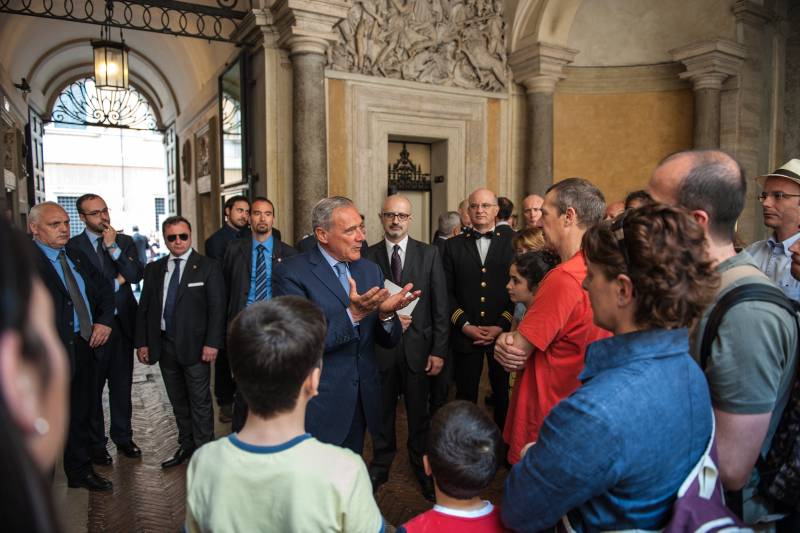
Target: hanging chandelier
(110,57)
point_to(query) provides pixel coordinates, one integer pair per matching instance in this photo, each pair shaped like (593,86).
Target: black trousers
(81,393)
(113,363)
(355,436)
(224,386)
(440,385)
(189,391)
(468,368)
(415,388)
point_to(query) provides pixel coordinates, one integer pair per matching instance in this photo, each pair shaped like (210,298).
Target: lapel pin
(194,267)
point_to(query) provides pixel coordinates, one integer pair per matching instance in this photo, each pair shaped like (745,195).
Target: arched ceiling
(618,32)
(50,53)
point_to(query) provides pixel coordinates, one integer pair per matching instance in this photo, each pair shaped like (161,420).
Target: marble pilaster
(306,29)
(539,68)
(708,65)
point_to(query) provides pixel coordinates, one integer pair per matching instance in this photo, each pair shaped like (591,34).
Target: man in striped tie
(248,271)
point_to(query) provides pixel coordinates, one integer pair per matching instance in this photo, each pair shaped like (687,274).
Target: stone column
(708,65)
(306,29)
(539,67)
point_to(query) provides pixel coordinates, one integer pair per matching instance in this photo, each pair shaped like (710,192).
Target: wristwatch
(113,246)
(388,319)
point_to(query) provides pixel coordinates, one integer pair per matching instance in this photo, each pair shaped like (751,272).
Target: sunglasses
(181,236)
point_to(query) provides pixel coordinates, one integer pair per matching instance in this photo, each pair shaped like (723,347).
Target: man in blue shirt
(248,272)
(84,313)
(780,202)
(115,255)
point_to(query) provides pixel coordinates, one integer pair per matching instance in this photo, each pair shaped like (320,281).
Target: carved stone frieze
(455,43)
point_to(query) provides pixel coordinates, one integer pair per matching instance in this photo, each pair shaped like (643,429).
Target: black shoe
(130,449)
(100,457)
(426,486)
(183,454)
(91,482)
(378,478)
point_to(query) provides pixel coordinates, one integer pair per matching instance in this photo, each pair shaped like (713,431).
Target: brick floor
(149,499)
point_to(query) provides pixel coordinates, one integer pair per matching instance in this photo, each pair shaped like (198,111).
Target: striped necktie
(261,274)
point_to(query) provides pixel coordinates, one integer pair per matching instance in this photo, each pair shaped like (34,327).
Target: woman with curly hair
(613,454)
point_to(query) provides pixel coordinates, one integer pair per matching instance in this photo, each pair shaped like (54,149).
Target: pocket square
(198,284)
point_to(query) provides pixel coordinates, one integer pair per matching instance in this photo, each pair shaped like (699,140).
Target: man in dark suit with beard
(409,367)
(83,302)
(358,311)
(248,269)
(181,325)
(115,255)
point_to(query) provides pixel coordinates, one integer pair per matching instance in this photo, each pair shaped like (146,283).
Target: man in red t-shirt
(558,326)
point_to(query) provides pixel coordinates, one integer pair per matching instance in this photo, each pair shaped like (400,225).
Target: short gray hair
(322,214)
(448,222)
(582,196)
(36,211)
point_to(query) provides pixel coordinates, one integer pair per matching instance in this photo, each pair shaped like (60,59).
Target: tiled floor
(147,498)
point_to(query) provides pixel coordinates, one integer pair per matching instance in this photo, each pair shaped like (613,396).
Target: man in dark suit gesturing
(358,312)
(181,325)
(408,367)
(115,255)
(84,312)
(248,269)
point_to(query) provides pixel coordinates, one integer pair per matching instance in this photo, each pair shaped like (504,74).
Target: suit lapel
(472,248)
(91,253)
(324,272)
(189,269)
(412,249)
(160,275)
(492,245)
(383,260)
(52,277)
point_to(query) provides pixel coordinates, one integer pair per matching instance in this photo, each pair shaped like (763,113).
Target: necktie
(102,256)
(341,271)
(261,274)
(397,264)
(172,297)
(84,321)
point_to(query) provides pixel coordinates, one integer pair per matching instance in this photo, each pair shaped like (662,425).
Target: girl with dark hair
(613,454)
(33,392)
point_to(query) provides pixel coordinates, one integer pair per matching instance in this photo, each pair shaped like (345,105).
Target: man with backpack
(750,337)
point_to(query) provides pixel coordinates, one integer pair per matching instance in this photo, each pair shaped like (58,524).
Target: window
(159,205)
(75,224)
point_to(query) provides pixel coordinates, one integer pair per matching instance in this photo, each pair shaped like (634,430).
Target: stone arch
(546,21)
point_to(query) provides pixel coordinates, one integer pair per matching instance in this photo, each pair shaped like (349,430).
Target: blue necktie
(341,270)
(261,274)
(172,297)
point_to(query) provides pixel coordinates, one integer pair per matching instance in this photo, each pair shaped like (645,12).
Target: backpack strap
(743,293)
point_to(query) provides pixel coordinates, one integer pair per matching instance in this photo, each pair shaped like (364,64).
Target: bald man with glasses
(181,326)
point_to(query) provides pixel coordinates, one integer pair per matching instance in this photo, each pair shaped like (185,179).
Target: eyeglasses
(174,236)
(532,209)
(96,213)
(776,195)
(482,206)
(402,217)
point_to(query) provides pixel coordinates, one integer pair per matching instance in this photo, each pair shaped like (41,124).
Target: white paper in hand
(393,289)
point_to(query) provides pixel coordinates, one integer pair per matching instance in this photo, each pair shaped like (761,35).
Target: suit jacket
(126,264)
(440,242)
(477,292)
(349,365)
(98,291)
(218,242)
(505,228)
(199,309)
(142,244)
(236,269)
(429,329)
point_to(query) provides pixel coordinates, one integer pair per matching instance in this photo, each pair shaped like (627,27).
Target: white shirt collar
(390,245)
(773,240)
(473,513)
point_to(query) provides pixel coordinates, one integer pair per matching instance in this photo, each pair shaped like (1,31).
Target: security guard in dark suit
(476,265)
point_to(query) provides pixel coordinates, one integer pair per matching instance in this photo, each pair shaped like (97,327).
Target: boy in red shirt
(464,452)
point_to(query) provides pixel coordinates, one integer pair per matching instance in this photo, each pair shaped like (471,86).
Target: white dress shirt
(483,245)
(168,276)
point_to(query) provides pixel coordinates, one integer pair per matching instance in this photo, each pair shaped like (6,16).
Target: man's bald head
(532,210)
(703,180)
(482,209)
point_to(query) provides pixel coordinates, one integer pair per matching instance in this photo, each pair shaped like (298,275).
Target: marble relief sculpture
(443,42)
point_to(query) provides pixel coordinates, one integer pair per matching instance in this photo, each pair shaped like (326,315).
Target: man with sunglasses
(410,367)
(780,201)
(181,326)
(115,255)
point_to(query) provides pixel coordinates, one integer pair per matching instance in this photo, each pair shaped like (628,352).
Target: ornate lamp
(110,57)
